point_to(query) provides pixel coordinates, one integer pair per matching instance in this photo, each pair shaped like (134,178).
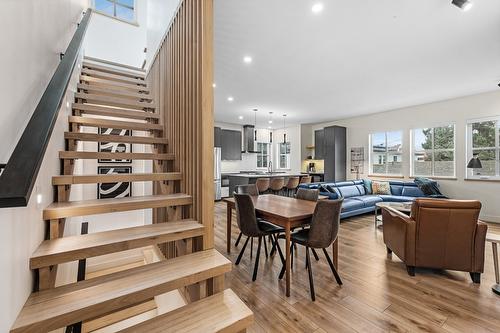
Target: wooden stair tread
(114,101)
(222,312)
(54,308)
(60,250)
(112,77)
(114,64)
(114,84)
(117,124)
(58,210)
(90,155)
(114,112)
(114,138)
(115,177)
(111,70)
(123,93)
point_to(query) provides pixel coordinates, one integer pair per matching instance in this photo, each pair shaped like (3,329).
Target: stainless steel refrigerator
(217,173)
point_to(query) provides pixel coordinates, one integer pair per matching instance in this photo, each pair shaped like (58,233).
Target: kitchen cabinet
(217,137)
(319,144)
(230,145)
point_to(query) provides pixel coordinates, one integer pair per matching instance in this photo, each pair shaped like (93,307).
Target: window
(120,9)
(386,155)
(483,139)
(263,153)
(434,151)
(284,155)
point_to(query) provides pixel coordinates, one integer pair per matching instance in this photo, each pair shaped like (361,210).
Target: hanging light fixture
(284,128)
(270,129)
(255,124)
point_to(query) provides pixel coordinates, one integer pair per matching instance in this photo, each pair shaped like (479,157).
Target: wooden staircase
(116,98)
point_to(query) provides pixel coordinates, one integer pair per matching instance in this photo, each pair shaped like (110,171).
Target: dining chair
(250,189)
(307,194)
(251,227)
(305,179)
(292,184)
(262,184)
(277,184)
(322,233)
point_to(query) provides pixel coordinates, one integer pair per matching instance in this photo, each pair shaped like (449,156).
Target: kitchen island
(244,178)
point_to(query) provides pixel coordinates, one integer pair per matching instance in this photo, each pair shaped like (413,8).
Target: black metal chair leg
(291,256)
(242,251)
(315,254)
(332,267)
(311,282)
(279,250)
(251,247)
(265,247)
(282,273)
(273,249)
(238,239)
(257,256)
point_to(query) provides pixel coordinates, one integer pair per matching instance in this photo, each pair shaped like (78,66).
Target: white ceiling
(356,57)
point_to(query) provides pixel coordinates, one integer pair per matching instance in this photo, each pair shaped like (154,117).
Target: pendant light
(255,125)
(270,129)
(284,128)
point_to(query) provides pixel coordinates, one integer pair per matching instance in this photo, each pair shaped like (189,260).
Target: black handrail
(21,171)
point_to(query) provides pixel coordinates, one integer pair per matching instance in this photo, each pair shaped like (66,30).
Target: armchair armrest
(479,244)
(399,234)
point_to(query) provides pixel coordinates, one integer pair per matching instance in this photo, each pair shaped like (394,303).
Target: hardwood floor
(377,295)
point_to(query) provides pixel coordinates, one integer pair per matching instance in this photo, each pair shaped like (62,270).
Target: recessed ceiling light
(317,8)
(230,99)
(214,85)
(247,59)
(464,5)
(270,121)
(240,117)
(269,127)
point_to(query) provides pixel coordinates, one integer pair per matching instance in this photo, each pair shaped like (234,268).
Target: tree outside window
(434,151)
(484,140)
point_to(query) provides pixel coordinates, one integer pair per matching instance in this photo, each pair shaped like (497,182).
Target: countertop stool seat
(305,179)
(277,184)
(262,184)
(291,185)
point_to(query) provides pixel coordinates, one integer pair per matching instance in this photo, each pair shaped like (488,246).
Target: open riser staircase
(118,98)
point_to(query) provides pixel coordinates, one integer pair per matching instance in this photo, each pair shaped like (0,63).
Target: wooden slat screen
(181,78)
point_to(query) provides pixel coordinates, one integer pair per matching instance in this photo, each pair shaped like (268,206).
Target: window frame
(115,3)
(469,174)
(287,155)
(433,151)
(259,153)
(386,159)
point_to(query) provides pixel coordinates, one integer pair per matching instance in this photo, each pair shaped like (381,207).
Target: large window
(120,9)
(263,154)
(483,141)
(386,155)
(434,151)
(284,155)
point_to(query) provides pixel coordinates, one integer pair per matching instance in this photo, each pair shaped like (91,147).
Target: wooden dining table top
(280,207)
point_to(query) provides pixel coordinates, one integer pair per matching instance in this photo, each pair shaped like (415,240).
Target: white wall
(456,111)
(111,39)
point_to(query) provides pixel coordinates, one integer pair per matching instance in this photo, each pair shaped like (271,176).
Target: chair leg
(251,247)
(238,239)
(315,254)
(282,257)
(389,251)
(476,277)
(282,273)
(332,267)
(311,282)
(410,270)
(265,247)
(291,256)
(257,256)
(242,251)
(273,249)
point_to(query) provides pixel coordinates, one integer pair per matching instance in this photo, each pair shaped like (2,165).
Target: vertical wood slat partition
(181,78)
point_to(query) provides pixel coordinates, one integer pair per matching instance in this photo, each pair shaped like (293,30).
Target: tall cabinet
(335,153)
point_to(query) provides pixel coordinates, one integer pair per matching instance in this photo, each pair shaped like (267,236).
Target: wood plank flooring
(377,295)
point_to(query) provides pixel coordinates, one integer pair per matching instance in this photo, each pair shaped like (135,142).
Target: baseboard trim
(490,218)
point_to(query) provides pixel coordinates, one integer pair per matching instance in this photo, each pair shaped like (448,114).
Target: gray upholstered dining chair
(291,185)
(250,189)
(251,227)
(322,233)
(307,194)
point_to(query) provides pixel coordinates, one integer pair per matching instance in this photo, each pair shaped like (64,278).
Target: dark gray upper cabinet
(230,145)
(319,144)
(335,153)
(217,137)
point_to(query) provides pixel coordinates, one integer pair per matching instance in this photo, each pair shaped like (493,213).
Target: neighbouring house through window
(386,154)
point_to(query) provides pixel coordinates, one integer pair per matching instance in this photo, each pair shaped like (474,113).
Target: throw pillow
(429,187)
(367,183)
(381,187)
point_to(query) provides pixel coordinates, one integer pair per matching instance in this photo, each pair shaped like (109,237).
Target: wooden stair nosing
(115,177)
(114,138)
(117,124)
(54,308)
(112,77)
(59,210)
(114,64)
(114,84)
(90,155)
(114,101)
(222,312)
(114,112)
(66,249)
(111,70)
(122,93)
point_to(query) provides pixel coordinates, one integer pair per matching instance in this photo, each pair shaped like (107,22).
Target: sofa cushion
(361,189)
(396,198)
(369,200)
(412,191)
(351,204)
(381,187)
(330,195)
(367,183)
(349,191)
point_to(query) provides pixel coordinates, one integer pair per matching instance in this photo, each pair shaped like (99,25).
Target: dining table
(286,212)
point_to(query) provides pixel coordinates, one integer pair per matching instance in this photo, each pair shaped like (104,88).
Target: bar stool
(262,184)
(305,179)
(291,185)
(277,185)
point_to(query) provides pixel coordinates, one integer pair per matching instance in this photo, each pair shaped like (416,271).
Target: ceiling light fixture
(230,99)
(255,124)
(284,128)
(214,85)
(247,59)
(240,117)
(464,5)
(317,8)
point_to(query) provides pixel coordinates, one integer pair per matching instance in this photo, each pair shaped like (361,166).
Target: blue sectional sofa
(357,199)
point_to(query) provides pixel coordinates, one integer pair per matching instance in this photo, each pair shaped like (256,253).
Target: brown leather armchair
(443,234)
